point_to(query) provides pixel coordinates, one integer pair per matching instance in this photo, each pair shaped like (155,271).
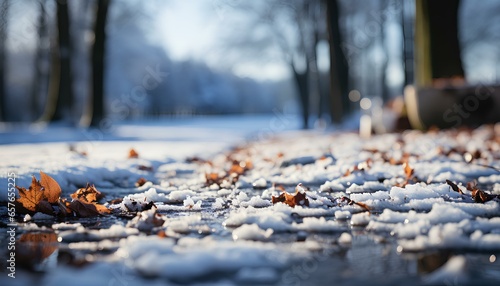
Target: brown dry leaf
(140,182)
(88,194)
(481,197)
(30,198)
(84,209)
(472,185)
(145,168)
(363,205)
(52,190)
(162,234)
(213,178)
(116,201)
(351,202)
(45,207)
(454,187)
(409,171)
(278,199)
(236,168)
(298,198)
(132,153)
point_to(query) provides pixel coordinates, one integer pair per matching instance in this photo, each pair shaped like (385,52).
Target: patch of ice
(193,258)
(454,271)
(257,275)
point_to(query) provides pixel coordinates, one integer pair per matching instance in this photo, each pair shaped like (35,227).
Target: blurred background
(92,63)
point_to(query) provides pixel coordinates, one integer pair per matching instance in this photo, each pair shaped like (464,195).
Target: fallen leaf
(132,153)
(481,197)
(140,182)
(30,198)
(52,190)
(409,171)
(45,207)
(363,205)
(84,209)
(351,202)
(116,201)
(213,178)
(298,198)
(471,186)
(454,187)
(39,196)
(88,194)
(145,168)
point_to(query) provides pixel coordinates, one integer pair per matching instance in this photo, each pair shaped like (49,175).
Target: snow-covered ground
(378,210)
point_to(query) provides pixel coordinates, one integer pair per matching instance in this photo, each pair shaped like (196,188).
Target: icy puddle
(300,209)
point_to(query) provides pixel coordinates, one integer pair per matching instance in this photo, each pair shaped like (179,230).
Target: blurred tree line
(80,62)
(85,61)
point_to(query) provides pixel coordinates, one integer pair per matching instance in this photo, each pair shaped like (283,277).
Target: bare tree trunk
(407,29)
(339,73)
(437,40)
(302,79)
(39,80)
(98,66)
(60,95)
(65,99)
(385,88)
(4,8)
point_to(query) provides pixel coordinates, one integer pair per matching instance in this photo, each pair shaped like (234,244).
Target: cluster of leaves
(477,195)
(298,198)
(230,176)
(45,196)
(361,167)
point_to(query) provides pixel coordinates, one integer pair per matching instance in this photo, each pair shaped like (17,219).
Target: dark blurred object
(441,96)
(453,106)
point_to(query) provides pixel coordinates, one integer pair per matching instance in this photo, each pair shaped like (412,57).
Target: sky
(192,30)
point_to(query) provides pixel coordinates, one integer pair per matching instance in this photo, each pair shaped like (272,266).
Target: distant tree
(39,79)
(339,70)
(60,95)
(437,46)
(408,43)
(4,8)
(289,27)
(97,110)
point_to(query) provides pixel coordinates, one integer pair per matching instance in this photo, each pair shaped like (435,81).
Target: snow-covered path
(378,210)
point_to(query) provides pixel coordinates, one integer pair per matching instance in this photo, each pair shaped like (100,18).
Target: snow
(83,234)
(194,229)
(345,238)
(251,232)
(260,183)
(313,224)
